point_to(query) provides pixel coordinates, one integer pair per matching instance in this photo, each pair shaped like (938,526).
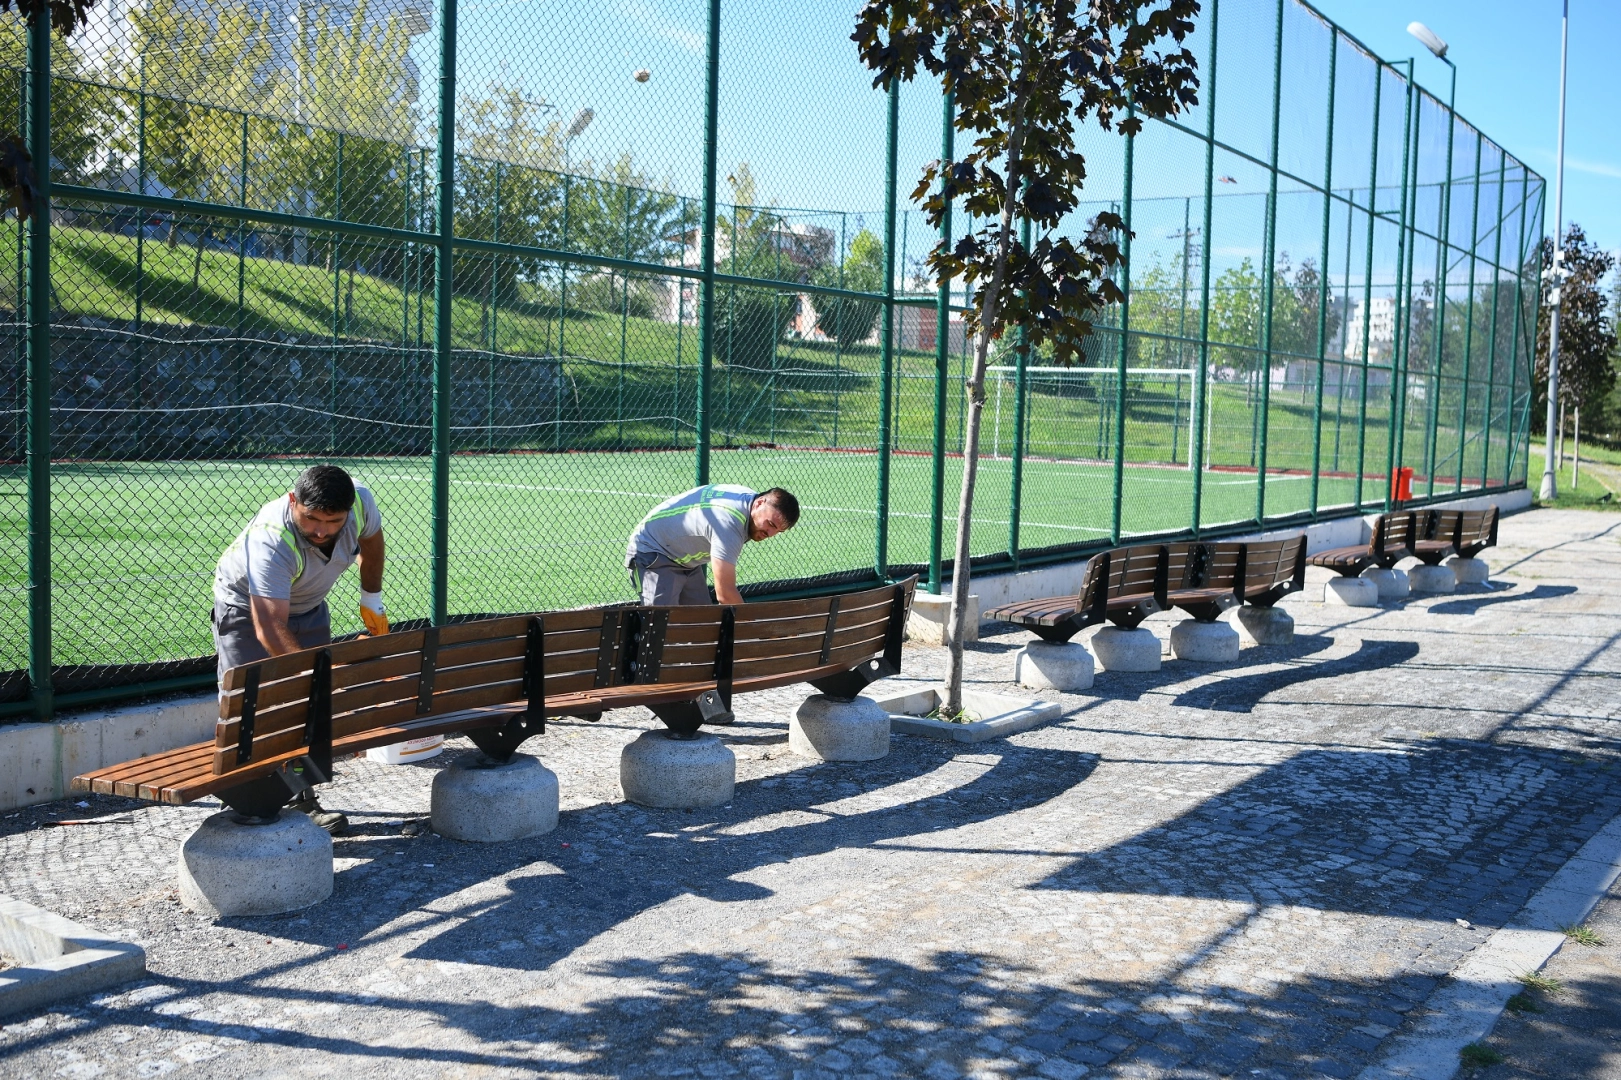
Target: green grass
(134,543)
(1479,1055)
(1579,489)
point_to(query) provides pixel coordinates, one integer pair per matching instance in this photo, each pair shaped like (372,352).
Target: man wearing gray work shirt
(270,586)
(707,525)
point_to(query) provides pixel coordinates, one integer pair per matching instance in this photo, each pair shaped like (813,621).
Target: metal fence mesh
(1330,276)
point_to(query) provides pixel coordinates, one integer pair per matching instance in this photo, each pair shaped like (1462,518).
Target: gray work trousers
(662,583)
(237,644)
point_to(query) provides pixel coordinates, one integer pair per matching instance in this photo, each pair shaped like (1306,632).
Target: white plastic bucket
(408,751)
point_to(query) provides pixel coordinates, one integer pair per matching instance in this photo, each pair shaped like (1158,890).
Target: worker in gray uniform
(270,586)
(706,526)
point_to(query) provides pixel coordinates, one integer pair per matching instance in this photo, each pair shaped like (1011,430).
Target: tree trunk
(988,312)
(1559,447)
(1576,451)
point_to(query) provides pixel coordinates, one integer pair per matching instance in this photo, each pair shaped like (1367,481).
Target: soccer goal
(1070,412)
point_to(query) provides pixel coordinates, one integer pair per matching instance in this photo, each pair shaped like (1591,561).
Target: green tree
(82,116)
(1587,334)
(851,321)
(1025,75)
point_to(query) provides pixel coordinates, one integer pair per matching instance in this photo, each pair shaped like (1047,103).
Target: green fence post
(1124,343)
(1398,387)
(624,328)
(1520,430)
(337,302)
(495,307)
(942,361)
(1269,288)
(562,324)
(241,270)
(39,370)
(1322,293)
(680,328)
(1469,331)
(706,309)
(838,339)
(140,230)
(886,355)
(1201,386)
(1020,375)
(1497,290)
(444,302)
(1367,287)
(1438,323)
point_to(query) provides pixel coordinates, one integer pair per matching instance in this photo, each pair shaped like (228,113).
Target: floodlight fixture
(1429,39)
(582,120)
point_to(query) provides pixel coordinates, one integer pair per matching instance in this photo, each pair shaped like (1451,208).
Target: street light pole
(1434,43)
(1556,274)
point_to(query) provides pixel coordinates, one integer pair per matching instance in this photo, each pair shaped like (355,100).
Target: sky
(798,109)
(1507,53)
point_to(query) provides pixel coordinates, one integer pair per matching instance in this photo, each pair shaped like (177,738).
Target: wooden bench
(1392,541)
(283,720)
(1216,577)
(1126,585)
(1465,533)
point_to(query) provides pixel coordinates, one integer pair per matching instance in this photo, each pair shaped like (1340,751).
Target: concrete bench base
(1204,642)
(489,802)
(1050,665)
(1391,583)
(1266,625)
(1126,650)
(832,730)
(658,771)
(263,868)
(1470,571)
(1351,592)
(1433,579)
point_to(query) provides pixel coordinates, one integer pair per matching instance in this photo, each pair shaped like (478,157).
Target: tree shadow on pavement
(1473,604)
(1242,693)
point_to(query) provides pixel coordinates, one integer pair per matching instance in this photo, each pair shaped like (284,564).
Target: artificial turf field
(134,544)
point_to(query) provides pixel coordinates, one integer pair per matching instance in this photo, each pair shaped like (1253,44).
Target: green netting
(1330,276)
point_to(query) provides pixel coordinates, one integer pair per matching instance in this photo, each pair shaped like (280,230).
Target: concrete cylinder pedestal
(1266,625)
(1351,592)
(1126,650)
(659,771)
(1204,642)
(258,867)
(1065,666)
(832,730)
(1469,570)
(1391,583)
(1433,579)
(488,802)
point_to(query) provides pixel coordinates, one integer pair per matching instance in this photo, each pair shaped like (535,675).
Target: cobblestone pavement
(1260,870)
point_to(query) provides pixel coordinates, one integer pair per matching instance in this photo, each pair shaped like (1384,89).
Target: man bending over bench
(669,549)
(271,585)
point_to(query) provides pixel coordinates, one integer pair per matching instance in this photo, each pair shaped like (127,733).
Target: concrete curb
(1467,1007)
(1004,715)
(58,958)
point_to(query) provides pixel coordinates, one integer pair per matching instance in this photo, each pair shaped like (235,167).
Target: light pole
(1555,274)
(1433,42)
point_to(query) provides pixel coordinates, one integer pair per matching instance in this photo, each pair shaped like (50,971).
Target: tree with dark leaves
(1587,334)
(1025,75)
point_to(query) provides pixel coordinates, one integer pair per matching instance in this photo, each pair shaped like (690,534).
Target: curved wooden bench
(1126,585)
(1392,541)
(1454,532)
(283,720)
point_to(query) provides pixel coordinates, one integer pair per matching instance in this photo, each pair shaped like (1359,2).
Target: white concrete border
(1002,715)
(58,958)
(39,761)
(1466,1007)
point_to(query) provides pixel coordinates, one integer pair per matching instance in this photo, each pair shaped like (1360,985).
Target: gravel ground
(1259,870)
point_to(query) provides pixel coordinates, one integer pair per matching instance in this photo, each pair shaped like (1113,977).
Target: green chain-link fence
(1330,276)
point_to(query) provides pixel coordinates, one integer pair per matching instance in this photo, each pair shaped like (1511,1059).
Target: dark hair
(783,500)
(325,489)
